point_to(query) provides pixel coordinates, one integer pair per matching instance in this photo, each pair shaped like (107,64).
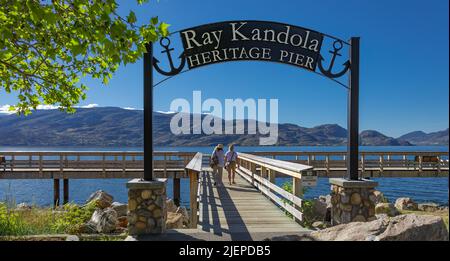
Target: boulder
(319,225)
(102,199)
(174,220)
(120,208)
(414,228)
(122,222)
(321,208)
(23,206)
(183,211)
(104,220)
(428,207)
(171,207)
(379,197)
(408,227)
(386,208)
(405,204)
(88,228)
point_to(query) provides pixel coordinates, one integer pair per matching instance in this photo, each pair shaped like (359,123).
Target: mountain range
(112,126)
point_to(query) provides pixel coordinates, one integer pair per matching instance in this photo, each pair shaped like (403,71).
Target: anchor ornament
(173,70)
(337,45)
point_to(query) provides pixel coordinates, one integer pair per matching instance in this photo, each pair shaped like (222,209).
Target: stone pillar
(147,212)
(352,200)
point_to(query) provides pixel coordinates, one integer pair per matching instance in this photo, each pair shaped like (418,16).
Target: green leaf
(163,29)
(131,18)
(154,20)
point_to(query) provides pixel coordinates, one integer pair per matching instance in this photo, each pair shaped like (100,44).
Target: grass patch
(34,221)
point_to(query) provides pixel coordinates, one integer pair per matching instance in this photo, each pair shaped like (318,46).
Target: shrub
(73,218)
(10,223)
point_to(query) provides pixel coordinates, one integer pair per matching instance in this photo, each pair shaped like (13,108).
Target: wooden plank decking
(240,211)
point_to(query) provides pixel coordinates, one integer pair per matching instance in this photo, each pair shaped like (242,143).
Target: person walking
(230,163)
(217,164)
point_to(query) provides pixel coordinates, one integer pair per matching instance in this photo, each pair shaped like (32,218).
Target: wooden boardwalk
(239,211)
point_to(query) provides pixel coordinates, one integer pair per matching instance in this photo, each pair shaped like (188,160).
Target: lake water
(40,192)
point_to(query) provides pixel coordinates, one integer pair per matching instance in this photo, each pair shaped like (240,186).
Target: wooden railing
(261,173)
(92,160)
(327,162)
(193,169)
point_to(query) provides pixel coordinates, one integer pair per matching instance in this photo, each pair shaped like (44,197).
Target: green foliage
(74,217)
(44,221)
(306,208)
(47,46)
(10,224)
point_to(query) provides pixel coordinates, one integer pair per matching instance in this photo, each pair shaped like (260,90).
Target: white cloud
(166,112)
(4,109)
(131,108)
(92,105)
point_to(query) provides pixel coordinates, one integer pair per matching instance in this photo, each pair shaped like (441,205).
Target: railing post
(297,190)
(165,165)
(438,164)
(381,163)
(362,165)
(13,159)
(193,184)
(420,163)
(40,164)
(253,170)
(327,164)
(124,162)
(61,164)
(103,163)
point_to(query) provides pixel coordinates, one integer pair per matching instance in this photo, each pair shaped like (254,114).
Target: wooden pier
(253,208)
(65,165)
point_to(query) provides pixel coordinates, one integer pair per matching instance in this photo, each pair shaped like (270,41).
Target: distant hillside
(422,138)
(111,126)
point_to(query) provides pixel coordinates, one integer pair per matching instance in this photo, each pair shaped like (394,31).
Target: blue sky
(404,82)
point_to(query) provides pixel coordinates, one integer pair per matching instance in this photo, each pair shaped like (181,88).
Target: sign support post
(353,112)
(148,113)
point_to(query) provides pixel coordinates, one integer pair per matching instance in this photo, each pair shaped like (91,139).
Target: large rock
(104,220)
(386,208)
(428,207)
(405,204)
(174,220)
(415,228)
(120,208)
(183,211)
(23,206)
(321,208)
(170,205)
(409,227)
(102,199)
(378,197)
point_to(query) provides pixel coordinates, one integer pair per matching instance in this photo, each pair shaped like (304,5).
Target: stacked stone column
(352,200)
(147,212)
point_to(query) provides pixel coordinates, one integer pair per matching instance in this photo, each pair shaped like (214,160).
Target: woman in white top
(217,164)
(230,163)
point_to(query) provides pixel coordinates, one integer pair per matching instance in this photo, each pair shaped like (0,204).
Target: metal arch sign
(251,40)
(248,40)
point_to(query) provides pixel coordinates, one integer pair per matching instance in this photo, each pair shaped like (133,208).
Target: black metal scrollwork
(173,70)
(337,46)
